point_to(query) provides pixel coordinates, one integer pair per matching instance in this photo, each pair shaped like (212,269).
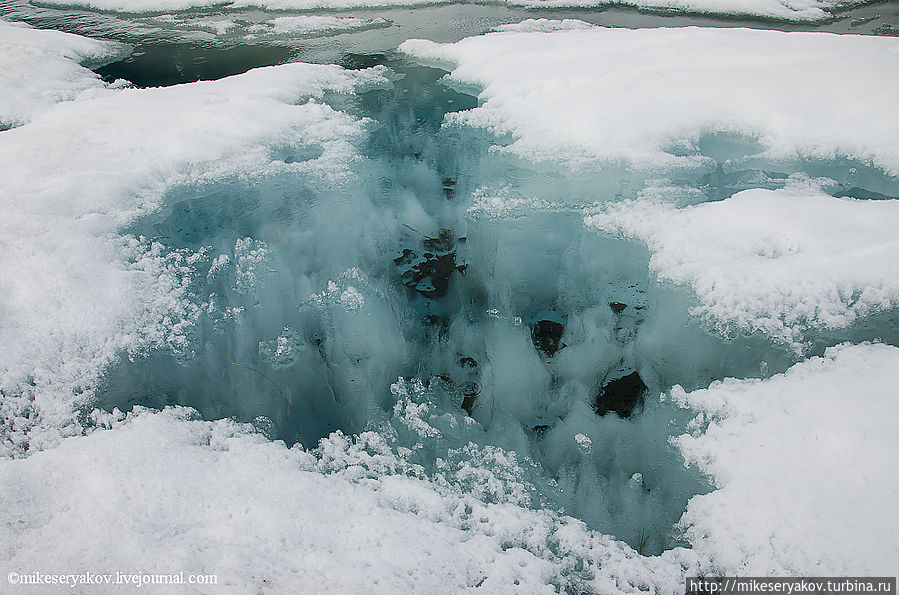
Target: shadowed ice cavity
(469,273)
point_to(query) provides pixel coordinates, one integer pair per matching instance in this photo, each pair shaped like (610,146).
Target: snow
(76,292)
(788,10)
(39,68)
(646,97)
(804,465)
(781,262)
(355,516)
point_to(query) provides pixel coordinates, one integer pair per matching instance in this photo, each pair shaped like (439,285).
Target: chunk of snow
(805,467)
(39,68)
(779,261)
(630,95)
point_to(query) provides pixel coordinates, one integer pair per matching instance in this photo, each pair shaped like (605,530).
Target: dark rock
(449,188)
(541,429)
(617,307)
(468,362)
(470,392)
(620,396)
(429,273)
(547,336)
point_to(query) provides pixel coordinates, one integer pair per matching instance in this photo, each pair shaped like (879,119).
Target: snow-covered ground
(779,261)
(647,96)
(800,462)
(39,68)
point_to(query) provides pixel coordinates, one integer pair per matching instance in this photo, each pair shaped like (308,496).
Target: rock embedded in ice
(547,336)
(630,96)
(621,395)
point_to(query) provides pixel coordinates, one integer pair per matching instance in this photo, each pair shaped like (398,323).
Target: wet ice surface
(517,334)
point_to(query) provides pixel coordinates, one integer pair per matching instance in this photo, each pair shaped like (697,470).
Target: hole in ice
(511,323)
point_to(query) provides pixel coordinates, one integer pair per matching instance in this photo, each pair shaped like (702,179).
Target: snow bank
(781,262)
(76,293)
(648,96)
(39,68)
(788,10)
(355,517)
(805,467)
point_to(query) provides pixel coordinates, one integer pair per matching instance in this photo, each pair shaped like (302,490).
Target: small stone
(617,307)
(547,336)
(620,396)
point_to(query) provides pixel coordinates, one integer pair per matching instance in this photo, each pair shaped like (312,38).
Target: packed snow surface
(39,68)
(804,463)
(76,293)
(356,513)
(789,10)
(781,261)
(647,96)
(170,493)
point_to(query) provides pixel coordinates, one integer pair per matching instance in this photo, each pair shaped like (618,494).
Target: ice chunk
(804,465)
(39,68)
(779,261)
(618,94)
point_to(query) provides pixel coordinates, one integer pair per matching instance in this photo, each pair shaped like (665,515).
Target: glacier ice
(540,367)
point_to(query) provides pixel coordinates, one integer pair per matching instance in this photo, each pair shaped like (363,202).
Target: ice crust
(781,262)
(76,291)
(646,97)
(788,10)
(39,68)
(803,463)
